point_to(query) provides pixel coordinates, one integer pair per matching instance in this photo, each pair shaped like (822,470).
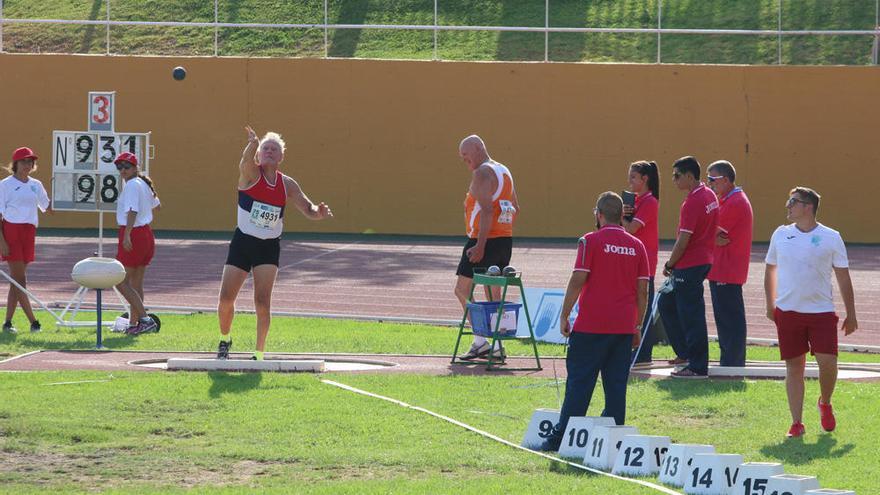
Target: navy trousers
(730,319)
(589,355)
(684,316)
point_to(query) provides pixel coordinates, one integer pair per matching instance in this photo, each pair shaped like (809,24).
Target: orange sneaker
(796,430)
(826,415)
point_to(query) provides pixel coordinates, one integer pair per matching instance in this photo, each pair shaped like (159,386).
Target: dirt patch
(116,468)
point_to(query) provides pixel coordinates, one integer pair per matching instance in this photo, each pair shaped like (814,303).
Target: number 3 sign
(102,107)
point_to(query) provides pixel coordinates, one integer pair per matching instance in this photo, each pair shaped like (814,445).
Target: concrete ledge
(288,365)
(768,371)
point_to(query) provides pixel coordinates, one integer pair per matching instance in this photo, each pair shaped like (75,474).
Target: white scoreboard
(84,177)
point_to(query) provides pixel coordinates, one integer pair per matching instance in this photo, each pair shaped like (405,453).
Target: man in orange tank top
(490,209)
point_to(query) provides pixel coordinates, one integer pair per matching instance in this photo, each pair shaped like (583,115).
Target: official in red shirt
(610,283)
(730,268)
(683,310)
(642,221)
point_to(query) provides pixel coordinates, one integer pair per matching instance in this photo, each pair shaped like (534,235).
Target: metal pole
(326,21)
(659,27)
(546,30)
(216,28)
(108,27)
(99,344)
(100,233)
(779,35)
(436,23)
(876,47)
(876,32)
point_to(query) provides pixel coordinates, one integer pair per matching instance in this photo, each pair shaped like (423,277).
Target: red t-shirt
(731,262)
(615,261)
(699,218)
(646,211)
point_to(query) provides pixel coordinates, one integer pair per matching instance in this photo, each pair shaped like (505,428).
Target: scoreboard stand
(85,179)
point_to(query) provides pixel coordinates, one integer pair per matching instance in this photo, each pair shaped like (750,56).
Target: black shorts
(247,251)
(497,252)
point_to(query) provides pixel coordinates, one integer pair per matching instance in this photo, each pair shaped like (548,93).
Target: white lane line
(249,282)
(76,383)
(661,489)
(325,253)
(20,356)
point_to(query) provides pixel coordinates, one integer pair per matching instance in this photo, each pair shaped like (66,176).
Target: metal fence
(437,28)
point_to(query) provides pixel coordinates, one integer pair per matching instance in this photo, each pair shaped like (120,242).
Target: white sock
(479,340)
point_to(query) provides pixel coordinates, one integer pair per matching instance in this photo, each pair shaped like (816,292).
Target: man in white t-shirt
(797,285)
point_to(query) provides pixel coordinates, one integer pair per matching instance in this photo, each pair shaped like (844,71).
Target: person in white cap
(134,213)
(20,197)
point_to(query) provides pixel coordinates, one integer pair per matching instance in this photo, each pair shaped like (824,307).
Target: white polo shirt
(138,197)
(19,200)
(805,262)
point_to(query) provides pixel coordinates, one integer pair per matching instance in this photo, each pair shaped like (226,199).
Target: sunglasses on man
(792,201)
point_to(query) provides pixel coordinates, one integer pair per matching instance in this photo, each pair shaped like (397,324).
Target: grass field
(240,433)
(144,432)
(717,14)
(235,433)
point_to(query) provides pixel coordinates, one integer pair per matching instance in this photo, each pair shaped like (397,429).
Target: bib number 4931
(265,216)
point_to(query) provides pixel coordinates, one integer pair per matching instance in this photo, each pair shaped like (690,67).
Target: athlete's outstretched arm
(309,210)
(248,169)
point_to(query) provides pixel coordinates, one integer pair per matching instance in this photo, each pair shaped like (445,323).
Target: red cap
(127,157)
(23,154)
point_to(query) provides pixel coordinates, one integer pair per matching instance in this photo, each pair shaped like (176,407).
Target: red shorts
(20,237)
(802,332)
(143,245)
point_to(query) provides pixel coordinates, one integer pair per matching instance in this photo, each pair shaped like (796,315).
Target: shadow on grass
(232,383)
(89,31)
(795,451)
(557,467)
(345,41)
(478,368)
(520,45)
(109,340)
(685,389)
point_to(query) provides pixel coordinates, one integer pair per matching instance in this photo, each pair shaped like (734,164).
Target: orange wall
(377,140)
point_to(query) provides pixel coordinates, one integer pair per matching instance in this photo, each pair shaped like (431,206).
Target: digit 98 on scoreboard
(84,177)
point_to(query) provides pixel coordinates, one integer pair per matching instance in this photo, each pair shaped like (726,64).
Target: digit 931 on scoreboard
(84,177)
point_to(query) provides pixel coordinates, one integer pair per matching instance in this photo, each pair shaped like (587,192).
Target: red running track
(406,278)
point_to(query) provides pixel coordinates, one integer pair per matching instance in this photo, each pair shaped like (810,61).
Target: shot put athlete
(263,192)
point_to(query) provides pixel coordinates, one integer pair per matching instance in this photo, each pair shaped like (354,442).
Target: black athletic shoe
(8,328)
(35,326)
(552,443)
(223,349)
